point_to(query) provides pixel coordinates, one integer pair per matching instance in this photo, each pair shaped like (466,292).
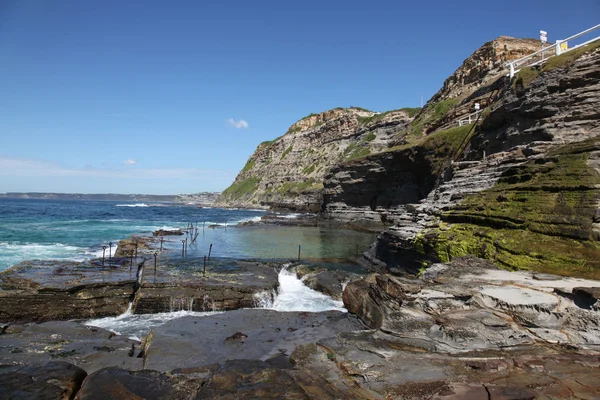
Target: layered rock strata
(461,330)
(526,192)
(56,290)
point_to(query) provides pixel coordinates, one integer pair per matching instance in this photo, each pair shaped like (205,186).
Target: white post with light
(543,39)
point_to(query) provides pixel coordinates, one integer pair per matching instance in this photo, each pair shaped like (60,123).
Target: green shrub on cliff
(286,151)
(239,189)
(432,114)
(249,165)
(411,111)
(295,188)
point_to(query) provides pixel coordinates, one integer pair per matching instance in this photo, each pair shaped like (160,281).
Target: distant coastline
(205,197)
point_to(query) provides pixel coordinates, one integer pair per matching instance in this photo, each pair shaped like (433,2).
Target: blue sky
(173,97)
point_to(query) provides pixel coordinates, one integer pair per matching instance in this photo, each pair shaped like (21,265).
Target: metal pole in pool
(109,252)
(299,246)
(183,248)
(204,272)
(103,253)
(209,251)
(155,254)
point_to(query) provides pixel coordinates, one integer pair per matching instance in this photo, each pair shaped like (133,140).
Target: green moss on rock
(538,216)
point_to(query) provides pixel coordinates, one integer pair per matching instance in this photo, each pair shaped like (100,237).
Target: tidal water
(77,230)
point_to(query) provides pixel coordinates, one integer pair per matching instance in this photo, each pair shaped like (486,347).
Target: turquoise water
(77,230)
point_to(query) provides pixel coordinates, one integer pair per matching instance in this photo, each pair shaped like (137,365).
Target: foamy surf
(132,205)
(12,253)
(294,295)
(136,326)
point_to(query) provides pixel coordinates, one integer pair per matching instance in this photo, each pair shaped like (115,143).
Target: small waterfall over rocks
(181,304)
(292,295)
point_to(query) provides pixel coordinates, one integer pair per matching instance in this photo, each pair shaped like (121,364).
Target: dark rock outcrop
(90,348)
(56,380)
(228,285)
(58,290)
(116,383)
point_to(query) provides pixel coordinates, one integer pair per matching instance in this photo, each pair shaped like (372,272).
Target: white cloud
(238,124)
(130,162)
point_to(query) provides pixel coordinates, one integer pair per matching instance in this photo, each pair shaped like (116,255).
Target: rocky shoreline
(459,330)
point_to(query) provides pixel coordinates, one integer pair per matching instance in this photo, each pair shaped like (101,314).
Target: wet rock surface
(249,334)
(328,282)
(182,285)
(57,290)
(116,383)
(460,330)
(50,381)
(90,348)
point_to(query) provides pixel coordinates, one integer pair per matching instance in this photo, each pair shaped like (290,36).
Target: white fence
(540,56)
(470,118)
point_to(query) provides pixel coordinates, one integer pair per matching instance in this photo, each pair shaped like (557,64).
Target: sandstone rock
(287,173)
(373,298)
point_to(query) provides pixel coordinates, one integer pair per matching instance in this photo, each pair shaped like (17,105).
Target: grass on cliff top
(538,216)
(528,74)
(240,189)
(269,142)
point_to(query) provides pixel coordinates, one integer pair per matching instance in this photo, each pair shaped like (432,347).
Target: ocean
(77,230)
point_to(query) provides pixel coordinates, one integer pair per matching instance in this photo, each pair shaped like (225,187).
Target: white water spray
(293,295)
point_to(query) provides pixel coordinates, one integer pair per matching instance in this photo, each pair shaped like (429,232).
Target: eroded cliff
(288,171)
(521,187)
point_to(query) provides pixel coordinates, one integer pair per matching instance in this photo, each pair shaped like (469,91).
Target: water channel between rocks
(292,295)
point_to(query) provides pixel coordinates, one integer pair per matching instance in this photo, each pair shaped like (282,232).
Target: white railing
(470,118)
(540,56)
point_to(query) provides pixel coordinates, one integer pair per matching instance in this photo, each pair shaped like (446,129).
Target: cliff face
(484,65)
(525,191)
(288,171)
